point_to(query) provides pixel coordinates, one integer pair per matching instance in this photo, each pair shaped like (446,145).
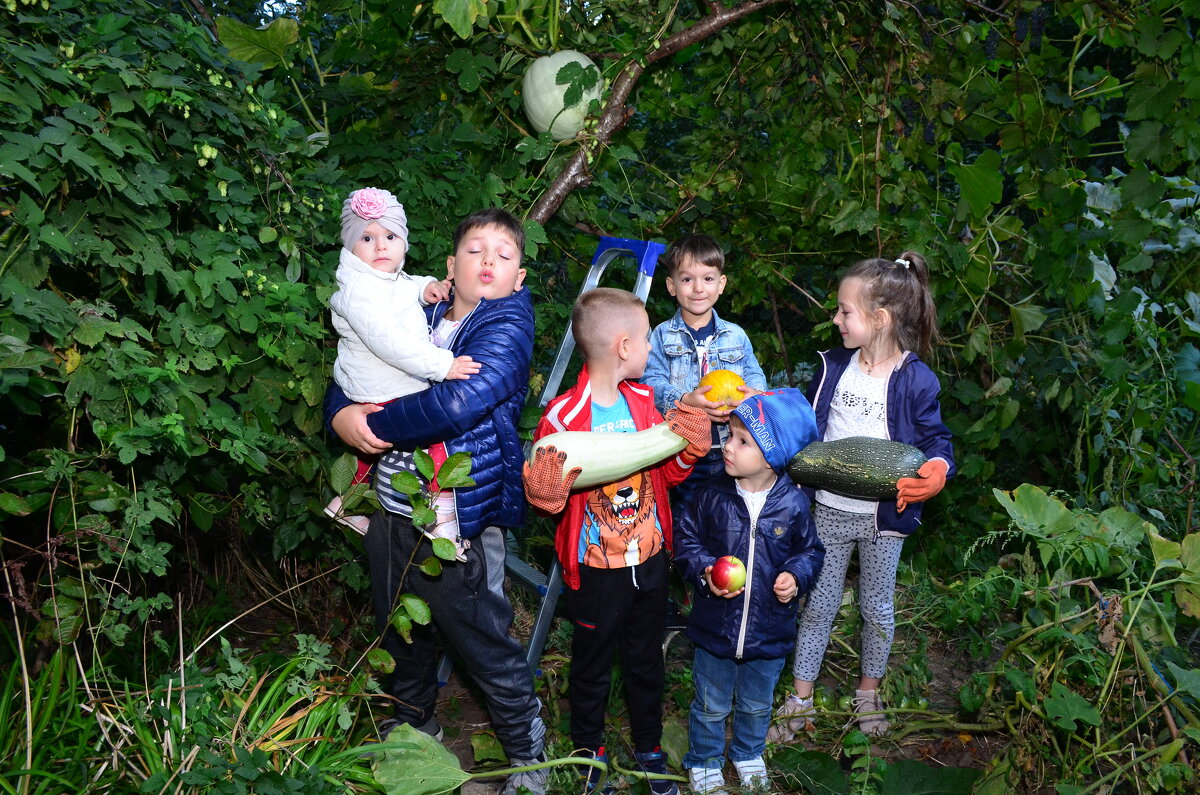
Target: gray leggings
(878,558)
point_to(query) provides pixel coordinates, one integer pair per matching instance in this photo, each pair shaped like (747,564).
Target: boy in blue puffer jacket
(743,636)
(490,319)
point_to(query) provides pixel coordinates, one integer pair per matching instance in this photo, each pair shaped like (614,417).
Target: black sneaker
(592,775)
(656,762)
(430,727)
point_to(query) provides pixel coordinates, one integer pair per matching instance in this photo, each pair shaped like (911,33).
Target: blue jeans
(718,683)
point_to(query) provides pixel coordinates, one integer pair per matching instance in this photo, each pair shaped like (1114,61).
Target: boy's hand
(698,398)
(437,291)
(462,367)
(932,480)
(692,424)
(748,391)
(786,587)
(720,591)
(350,424)
(546,488)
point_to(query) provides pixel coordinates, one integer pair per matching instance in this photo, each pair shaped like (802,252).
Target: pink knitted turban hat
(372,204)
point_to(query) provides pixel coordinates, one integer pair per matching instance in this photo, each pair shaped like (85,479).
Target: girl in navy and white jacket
(875,385)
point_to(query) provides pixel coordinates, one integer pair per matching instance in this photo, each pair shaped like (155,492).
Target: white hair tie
(905,263)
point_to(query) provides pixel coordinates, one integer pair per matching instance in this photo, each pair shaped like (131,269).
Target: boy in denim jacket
(693,342)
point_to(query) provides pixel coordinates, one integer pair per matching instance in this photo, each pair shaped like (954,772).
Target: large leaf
(1064,708)
(416,764)
(814,771)
(909,777)
(1035,512)
(267,46)
(461,14)
(981,182)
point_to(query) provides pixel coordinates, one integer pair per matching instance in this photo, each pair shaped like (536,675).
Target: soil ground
(463,715)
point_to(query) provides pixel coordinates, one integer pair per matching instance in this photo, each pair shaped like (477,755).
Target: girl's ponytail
(901,286)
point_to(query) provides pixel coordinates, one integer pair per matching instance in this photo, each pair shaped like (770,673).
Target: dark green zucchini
(857,466)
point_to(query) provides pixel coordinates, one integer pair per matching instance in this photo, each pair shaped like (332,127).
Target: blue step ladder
(549,585)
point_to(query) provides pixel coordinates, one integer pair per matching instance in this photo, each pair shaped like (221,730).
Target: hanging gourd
(544,95)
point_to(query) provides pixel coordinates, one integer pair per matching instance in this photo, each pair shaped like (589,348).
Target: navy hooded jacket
(914,416)
(715,523)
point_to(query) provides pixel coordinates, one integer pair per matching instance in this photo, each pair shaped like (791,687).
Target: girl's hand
(719,591)
(786,587)
(350,424)
(932,480)
(437,291)
(698,397)
(462,367)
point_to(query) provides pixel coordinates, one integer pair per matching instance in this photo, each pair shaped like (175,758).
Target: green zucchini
(857,466)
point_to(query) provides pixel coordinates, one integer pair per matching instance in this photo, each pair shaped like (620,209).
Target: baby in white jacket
(384,350)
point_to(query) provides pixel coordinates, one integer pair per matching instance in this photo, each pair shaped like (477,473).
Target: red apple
(728,573)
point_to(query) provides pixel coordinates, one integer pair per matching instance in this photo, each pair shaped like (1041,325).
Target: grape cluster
(990,43)
(1037,26)
(930,138)
(1022,29)
(910,111)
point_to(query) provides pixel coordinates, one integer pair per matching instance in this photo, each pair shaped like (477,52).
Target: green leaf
(461,14)
(981,183)
(486,748)
(909,777)
(267,46)
(1025,318)
(1187,680)
(267,234)
(423,516)
(444,548)
(406,483)
(455,472)
(431,566)
(13,504)
(1166,552)
(403,625)
(1064,707)
(380,660)
(810,771)
(424,464)
(419,765)
(344,468)
(1035,512)
(416,608)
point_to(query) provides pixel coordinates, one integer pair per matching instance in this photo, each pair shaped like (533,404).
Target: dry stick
(615,114)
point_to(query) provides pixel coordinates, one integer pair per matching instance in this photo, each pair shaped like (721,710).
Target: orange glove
(546,488)
(694,425)
(932,480)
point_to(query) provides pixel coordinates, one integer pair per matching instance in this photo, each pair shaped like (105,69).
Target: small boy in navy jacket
(743,637)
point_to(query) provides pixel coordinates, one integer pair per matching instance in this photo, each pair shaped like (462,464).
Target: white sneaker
(706,781)
(753,773)
(355,522)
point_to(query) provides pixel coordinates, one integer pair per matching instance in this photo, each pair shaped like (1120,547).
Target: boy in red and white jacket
(613,540)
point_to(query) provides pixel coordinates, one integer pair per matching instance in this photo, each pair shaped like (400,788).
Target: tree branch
(615,114)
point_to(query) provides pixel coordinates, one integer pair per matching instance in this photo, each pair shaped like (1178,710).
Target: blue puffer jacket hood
(478,415)
(754,625)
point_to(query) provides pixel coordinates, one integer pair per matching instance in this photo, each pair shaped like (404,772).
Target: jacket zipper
(741,643)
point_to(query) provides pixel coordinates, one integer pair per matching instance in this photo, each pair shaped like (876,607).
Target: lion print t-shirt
(620,525)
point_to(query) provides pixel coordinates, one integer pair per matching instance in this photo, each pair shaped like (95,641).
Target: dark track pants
(622,610)
(471,614)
